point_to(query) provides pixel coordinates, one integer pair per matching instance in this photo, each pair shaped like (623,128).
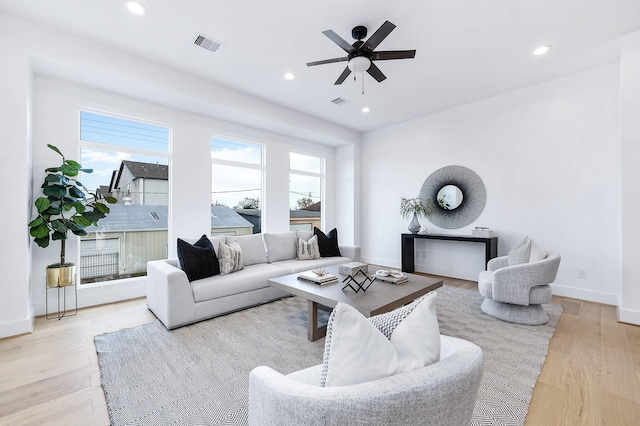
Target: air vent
(340,101)
(154,215)
(207,43)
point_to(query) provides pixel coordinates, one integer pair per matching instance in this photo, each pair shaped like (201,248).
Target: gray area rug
(198,374)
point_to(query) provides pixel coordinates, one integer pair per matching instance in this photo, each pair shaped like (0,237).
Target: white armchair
(516,293)
(442,394)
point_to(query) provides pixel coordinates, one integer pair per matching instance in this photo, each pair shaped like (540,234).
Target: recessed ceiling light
(289,76)
(541,50)
(365,109)
(135,7)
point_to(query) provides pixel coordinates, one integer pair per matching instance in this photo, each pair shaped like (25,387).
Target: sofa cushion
(328,243)
(280,245)
(198,260)
(293,266)
(230,258)
(305,235)
(357,352)
(250,278)
(252,248)
(308,250)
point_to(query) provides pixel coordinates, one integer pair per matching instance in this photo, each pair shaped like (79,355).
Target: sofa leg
(527,315)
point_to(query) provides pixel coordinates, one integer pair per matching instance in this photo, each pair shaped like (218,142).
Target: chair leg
(527,315)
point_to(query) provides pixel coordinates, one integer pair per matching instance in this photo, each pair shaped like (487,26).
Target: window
(306,180)
(236,187)
(130,161)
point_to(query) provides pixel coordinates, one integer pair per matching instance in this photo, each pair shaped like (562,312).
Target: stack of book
(312,277)
(352,268)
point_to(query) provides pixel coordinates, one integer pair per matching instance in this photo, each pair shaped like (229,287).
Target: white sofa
(177,302)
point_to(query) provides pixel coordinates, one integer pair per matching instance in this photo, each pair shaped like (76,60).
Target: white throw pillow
(521,253)
(357,352)
(536,253)
(230,257)
(308,250)
(253,250)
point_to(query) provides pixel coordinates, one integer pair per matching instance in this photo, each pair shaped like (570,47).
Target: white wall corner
(628,316)
(16,328)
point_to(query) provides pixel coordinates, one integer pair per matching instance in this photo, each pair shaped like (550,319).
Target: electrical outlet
(582,273)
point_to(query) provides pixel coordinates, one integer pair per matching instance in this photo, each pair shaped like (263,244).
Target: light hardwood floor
(591,375)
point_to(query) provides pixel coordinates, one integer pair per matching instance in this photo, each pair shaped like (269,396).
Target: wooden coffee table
(379,298)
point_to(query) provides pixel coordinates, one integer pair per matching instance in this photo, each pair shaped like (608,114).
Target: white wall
(15,118)
(549,156)
(629,310)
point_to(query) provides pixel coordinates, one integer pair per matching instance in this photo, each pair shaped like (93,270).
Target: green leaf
(77,193)
(80,208)
(81,220)
(80,232)
(59,235)
(74,164)
(42,242)
(53,210)
(42,204)
(69,170)
(77,229)
(110,200)
(93,216)
(35,222)
(53,169)
(56,178)
(55,191)
(39,231)
(102,208)
(55,149)
(59,226)
(86,170)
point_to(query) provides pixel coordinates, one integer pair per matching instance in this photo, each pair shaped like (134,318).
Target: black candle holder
(356,282)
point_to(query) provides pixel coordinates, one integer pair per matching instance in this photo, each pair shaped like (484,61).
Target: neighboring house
(141,183)
(299,220)
(132,235)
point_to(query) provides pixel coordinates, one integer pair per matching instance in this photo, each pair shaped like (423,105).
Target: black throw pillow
(328,244)
(198,260)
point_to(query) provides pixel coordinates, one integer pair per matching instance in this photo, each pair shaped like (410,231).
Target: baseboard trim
(14,328)
(586,295)
(628,316)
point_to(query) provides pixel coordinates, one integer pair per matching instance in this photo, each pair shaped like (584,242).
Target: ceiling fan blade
(377,37)
(393,54)
(338,40)
(327,61)
(343,76)
(375,72)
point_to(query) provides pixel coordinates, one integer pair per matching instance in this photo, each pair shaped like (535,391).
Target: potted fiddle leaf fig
(65,207)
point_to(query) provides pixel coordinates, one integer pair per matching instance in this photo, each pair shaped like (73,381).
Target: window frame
(100,146)
(321,175)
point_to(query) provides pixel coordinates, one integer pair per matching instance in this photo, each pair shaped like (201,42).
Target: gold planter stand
(58,279)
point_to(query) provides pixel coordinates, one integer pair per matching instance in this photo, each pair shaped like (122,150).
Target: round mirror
(449,197)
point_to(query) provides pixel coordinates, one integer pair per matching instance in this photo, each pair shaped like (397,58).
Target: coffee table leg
(314,333)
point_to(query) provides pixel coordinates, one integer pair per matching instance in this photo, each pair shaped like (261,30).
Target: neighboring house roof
(140,171)
(315,207)
(304,213)
(147,217)
(147,170)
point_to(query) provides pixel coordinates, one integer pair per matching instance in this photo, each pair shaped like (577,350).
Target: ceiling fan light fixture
(541,50)
(290,76)
(366,109)
(135,7)
(359,64)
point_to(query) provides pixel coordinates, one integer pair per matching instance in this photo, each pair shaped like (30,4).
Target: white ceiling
(466,49)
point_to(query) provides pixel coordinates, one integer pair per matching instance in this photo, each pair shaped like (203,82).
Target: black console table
(408,254)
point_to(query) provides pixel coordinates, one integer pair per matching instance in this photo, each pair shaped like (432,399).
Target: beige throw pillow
(230,257)
(308,250)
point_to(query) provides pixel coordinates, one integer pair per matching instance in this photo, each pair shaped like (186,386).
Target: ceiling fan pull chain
(363,84)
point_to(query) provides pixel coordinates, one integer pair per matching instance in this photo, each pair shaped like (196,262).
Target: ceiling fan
(361,54)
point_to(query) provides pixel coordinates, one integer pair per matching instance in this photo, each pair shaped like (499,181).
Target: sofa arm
(169,294)
(497,263)
(352,252)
